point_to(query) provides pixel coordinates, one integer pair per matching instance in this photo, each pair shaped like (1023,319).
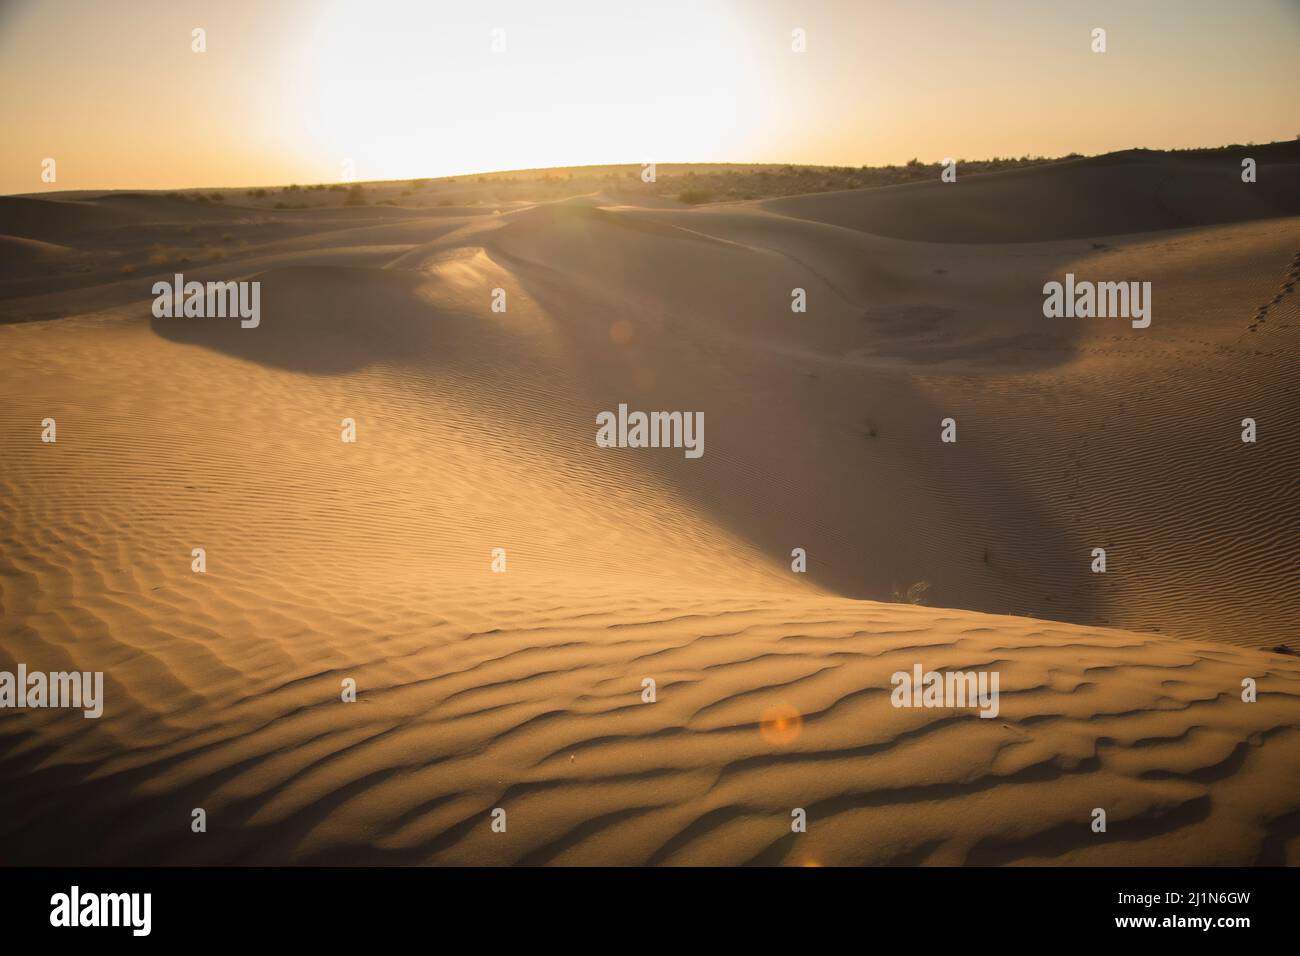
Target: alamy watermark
(212,300)
(651,430)
(950,689)
(1103,300)
(75,908)
(79,690)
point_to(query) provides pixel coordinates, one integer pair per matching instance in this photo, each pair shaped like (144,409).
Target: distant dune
(523,690)
(1120,193)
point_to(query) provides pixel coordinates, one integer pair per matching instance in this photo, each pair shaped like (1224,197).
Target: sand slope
(522,690)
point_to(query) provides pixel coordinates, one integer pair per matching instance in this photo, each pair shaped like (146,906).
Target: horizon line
(634,165)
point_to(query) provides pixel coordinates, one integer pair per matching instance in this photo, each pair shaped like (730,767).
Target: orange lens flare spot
(621,332)
(780,725)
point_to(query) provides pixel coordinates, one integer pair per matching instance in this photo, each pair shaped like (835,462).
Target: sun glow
(406,89)
(289,91)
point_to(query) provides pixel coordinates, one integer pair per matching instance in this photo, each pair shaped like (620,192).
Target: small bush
(913,595)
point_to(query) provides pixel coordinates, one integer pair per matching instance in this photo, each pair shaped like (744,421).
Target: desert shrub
(913,595)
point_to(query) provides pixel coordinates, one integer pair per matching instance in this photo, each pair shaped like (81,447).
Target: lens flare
(621,332)
(781,725)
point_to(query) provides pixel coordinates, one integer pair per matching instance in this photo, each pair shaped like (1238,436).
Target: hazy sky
(289,90)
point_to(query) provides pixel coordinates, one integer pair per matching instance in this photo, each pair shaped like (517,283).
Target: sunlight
(413,89)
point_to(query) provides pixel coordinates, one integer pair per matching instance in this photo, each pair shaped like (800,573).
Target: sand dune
(523,690)
(1128,192)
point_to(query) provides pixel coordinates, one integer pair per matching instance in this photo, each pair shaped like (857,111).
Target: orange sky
(292,90)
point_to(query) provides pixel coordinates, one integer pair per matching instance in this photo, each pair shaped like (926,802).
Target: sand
(372,561)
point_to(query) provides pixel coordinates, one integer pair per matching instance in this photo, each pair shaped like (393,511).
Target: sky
(314,90)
